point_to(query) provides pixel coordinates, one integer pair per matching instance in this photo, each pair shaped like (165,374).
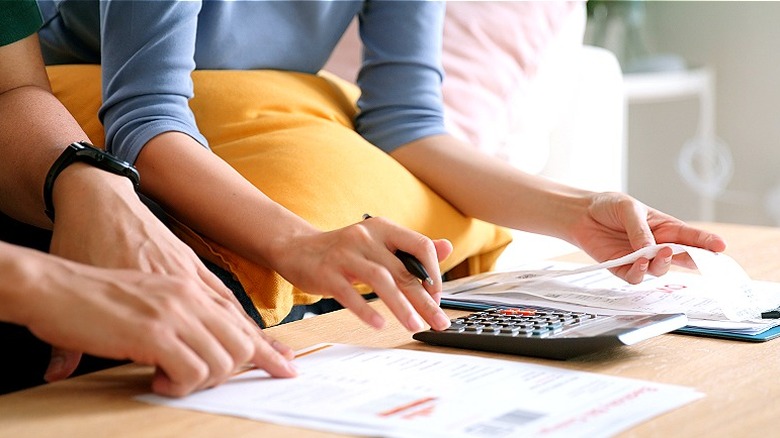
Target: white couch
(520,85)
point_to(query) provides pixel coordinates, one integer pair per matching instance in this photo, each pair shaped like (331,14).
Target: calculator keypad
(524,321)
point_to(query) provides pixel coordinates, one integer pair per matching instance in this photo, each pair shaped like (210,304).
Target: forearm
(489,189)
(28,146)
(208,195)
(34,129)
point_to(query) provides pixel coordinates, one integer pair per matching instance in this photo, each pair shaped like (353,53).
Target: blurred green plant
(618,26)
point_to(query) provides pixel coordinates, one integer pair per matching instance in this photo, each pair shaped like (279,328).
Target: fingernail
(377,321)
(282,349)
(441,320)
(54,369)
(292,368)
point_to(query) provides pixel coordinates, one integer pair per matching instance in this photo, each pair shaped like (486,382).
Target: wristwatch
(82,151)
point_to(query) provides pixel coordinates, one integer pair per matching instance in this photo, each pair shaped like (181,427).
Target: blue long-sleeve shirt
(149,48)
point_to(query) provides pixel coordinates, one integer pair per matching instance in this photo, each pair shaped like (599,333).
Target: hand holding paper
(613,225)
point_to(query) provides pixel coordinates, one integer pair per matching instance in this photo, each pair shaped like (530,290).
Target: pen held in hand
(414,266)
(410,262)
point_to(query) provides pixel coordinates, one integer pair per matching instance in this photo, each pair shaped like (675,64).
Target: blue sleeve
(147,59)
(401,75)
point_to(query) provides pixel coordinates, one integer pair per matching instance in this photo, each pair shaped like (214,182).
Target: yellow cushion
(291,135)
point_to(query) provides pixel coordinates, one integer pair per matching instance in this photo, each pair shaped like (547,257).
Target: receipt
(729,285)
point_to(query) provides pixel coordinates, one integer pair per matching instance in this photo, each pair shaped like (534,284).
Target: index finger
(692,236)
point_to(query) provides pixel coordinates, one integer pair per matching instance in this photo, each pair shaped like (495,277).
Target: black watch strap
(84,152)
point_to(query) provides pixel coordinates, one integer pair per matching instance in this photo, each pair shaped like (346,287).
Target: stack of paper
(720,298)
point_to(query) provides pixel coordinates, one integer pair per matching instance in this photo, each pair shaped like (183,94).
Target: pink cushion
(491,51)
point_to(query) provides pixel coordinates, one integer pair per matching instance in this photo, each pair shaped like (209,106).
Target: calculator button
(555,325)
(541,332)
(456,327)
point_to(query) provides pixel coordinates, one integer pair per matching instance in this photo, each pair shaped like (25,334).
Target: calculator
(549,332)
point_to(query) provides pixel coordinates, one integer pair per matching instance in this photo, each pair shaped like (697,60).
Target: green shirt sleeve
(18,19)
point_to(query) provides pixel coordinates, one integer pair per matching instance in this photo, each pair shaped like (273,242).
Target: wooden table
(739,378)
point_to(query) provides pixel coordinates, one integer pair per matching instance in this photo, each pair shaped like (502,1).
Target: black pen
(410,262)
(772,314)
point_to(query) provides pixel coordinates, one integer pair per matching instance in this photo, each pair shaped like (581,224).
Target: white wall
(741,41)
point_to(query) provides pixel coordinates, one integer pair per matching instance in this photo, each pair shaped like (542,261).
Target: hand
(103,223)
(616,224)
(192,336)
(330,263)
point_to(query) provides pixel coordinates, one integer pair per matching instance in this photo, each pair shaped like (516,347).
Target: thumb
(62,364)
(637,228)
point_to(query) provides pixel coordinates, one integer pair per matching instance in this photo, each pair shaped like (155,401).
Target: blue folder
(725,334)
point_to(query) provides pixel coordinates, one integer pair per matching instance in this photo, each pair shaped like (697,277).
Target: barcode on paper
(504,424)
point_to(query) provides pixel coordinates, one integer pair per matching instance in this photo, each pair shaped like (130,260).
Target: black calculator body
(549,332)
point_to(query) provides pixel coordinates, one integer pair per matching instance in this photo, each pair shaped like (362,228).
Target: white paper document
(406,393)
(719,296)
